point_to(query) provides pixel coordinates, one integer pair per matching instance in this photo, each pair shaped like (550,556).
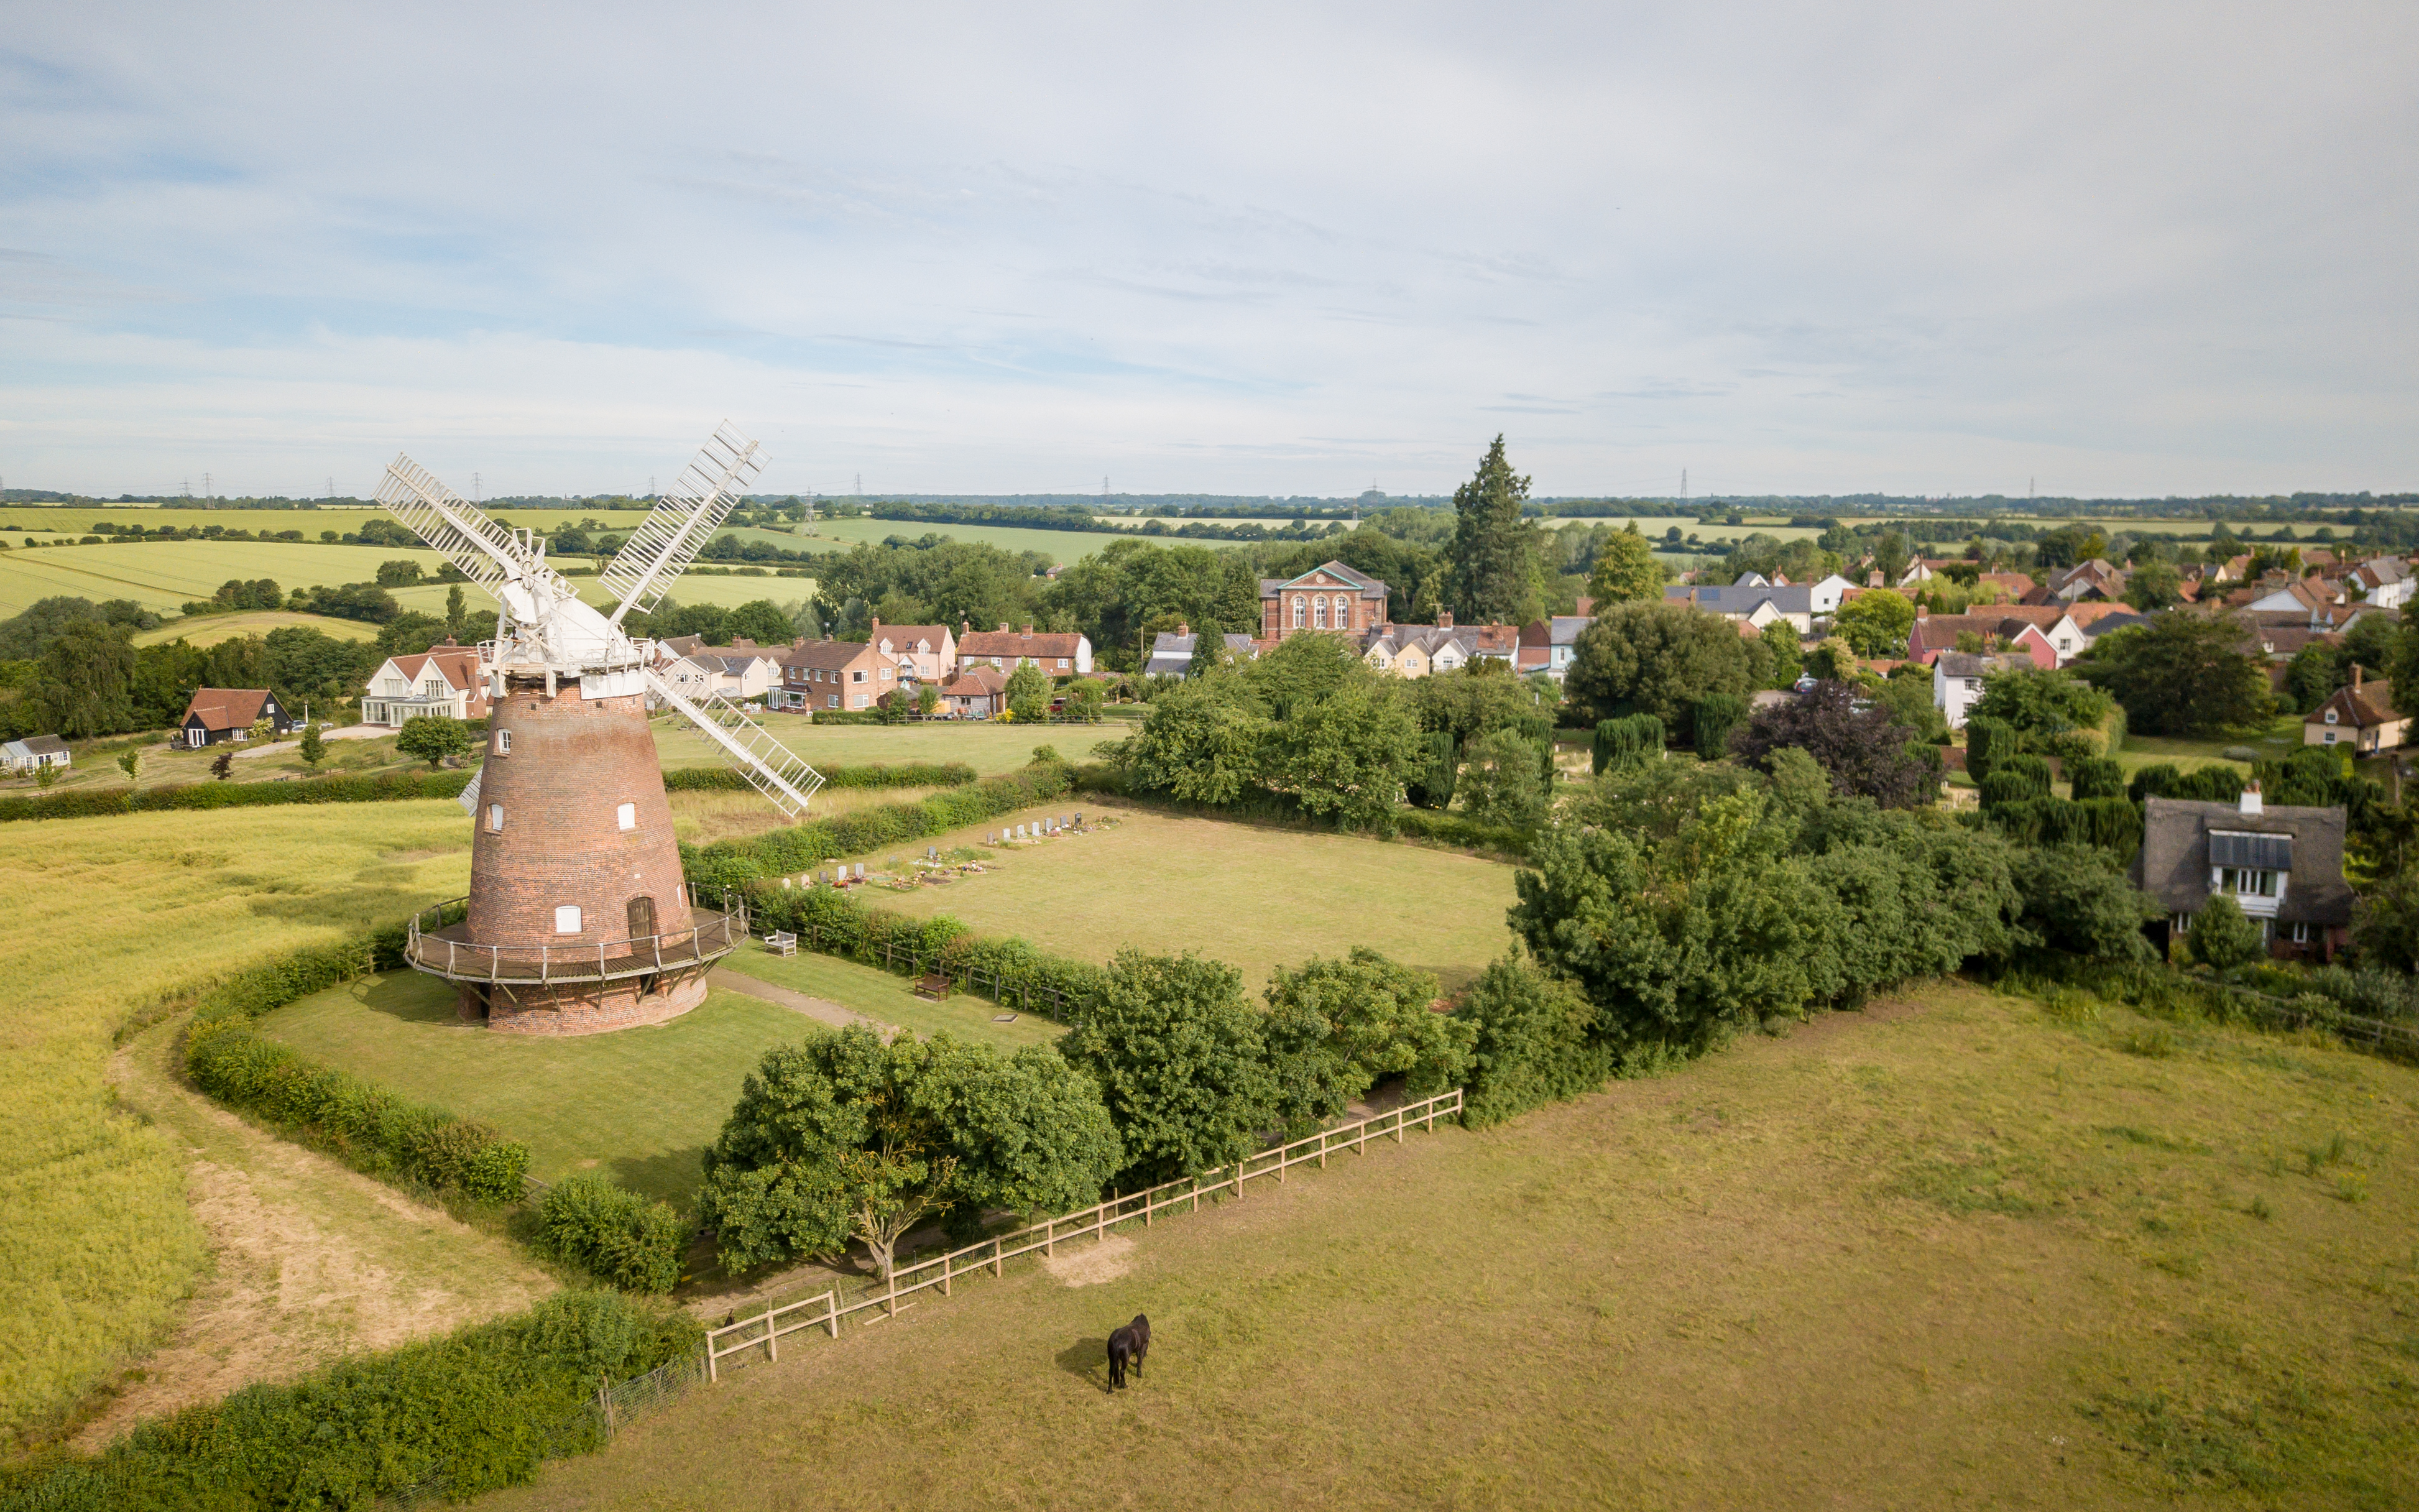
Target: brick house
(1061,654)
(1331,596)
(924,653)
(219,715)
(832,675)
(977,693)
(447,681)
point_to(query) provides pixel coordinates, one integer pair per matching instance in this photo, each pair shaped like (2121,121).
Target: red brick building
(1061,654)
(1331,596)
(833,675)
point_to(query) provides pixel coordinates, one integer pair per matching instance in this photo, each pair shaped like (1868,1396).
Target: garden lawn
(1251,895)
(2273,742)
(1943,1253)
(638,1104)
(110,919)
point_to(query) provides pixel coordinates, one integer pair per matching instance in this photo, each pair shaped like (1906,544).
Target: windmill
(578,920)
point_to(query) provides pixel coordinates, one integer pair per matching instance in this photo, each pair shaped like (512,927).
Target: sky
(1301,248)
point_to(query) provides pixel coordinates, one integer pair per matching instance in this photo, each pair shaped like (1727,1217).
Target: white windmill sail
(549,631)
(684,520)
(772,768)
(468,796)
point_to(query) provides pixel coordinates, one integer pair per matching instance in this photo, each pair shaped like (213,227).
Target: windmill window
(495,819)
(503,742)
(626,816)
(566,919)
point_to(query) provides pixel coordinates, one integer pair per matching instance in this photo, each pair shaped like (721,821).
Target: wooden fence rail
(824,1310)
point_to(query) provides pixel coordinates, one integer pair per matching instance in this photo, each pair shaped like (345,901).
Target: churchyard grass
(1253,896)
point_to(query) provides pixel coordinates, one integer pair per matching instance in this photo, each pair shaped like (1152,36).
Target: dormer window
(2330,716)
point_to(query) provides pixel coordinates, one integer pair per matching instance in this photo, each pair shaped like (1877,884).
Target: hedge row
(473,1411)
(733,863)
(388,787)
(2114,825)
(903,775)
(369,1127)
(1441,825)
(614,1235)
(833,922)
(392,787)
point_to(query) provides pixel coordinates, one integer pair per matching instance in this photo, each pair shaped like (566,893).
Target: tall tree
(2180,675)
(1626,568)
(1181,1062)
(1655,659)
(1209,651)
(1494,574)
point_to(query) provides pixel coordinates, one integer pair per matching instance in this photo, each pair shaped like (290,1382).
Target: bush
(2033,770)
(1434,789)
(1987,741)
(2096,777)
(2239,753)
(2222,938)
(473,1411)
(902,775)
(1715,715)
(2206,784)
(616,1236)
(1627,741)
(1531,1044)
(82,803)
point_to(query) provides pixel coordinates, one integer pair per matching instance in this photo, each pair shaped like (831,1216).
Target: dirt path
(311,1260)
(822,1009)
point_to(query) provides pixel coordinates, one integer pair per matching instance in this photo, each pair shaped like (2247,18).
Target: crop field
(1058,546)
(209,630)
(639,1104)
(1943,1253)
(1254,898)
(109,918)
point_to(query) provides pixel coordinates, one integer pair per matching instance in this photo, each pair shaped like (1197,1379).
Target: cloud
(958,247)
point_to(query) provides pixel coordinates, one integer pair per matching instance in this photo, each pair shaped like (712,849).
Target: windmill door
(642,918)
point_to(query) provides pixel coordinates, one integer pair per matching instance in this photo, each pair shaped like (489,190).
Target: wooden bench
(781,941)
(933,985)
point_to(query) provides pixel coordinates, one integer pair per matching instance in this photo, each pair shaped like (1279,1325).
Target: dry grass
(1935,1254)
(211,629)
(309,1262)
(1251,897)
(107,918)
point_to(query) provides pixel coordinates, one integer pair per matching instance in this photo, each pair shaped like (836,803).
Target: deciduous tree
(1627,569)
(432,738)
(2181,674)
(1855,740)
(1875,622)
(1655,659)
(1181,1062)
(1335,1026)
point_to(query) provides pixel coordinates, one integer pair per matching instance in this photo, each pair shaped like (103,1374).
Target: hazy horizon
(1257,252)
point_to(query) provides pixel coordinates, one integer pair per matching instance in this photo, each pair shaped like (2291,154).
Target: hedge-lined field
(1253,897)
(637,1106)
(98,1244)
(1948,1252)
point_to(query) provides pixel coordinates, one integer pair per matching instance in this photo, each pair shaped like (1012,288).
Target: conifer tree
(1494,575)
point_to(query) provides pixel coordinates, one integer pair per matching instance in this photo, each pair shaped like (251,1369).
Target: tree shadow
(675,1174)
(410,996)
(1087,1360)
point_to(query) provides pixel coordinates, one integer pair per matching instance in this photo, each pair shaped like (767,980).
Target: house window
(857,676)
(503,742)
(1298,611)
(2066,643)
(2331,737)
(1343,612)
(2330,716)
(1062,663)
(626,816)
(1318,613)
(2301,934)
(831,701)
(2247,882)
(495,819)
(2183,924)
(566,919)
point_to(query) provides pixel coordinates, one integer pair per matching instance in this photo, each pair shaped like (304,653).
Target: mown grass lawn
(1944,1253)
(638,1104)
(989,747)
(1251,895)
(109,918)
(2273,742)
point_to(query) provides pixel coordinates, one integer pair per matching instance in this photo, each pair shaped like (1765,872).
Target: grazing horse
(1127,1347)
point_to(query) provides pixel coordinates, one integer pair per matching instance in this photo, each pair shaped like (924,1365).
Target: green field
(1943,1253)
(1058,546)
(1254,898)
(109,916)
(164,575)
(208,630)
(638,1104)
(986,745)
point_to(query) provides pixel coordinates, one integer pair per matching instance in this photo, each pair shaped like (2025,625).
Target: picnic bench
(781,941)
(933,985)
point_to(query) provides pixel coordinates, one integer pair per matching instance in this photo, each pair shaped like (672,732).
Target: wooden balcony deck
(446,950)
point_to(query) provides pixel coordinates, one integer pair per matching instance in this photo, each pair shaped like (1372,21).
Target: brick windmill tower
(578,920)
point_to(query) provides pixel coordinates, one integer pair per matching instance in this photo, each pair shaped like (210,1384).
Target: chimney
(966,628)
(876,632)
(1182,629)
(1923,612)
(2251,804)
(1444,619)
(1026,632)
(1003,627)
(2355,677)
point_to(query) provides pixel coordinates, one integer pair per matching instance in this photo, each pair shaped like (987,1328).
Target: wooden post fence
(825,1309)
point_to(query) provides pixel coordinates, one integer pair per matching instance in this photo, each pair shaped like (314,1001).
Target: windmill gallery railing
(436,942)
(824,1310)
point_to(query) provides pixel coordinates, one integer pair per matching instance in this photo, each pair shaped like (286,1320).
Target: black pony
(1127,1345)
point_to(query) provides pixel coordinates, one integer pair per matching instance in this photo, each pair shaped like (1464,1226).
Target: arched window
(1343,612)
(1318,613)
(1297,611)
